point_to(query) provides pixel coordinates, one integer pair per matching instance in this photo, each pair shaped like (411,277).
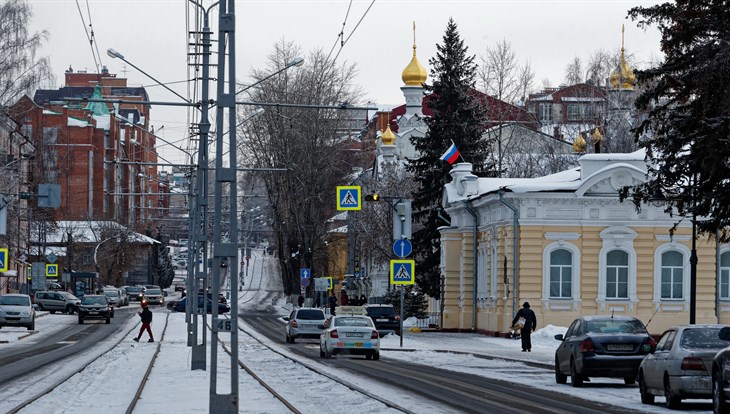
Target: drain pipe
(475,267)
(515,225)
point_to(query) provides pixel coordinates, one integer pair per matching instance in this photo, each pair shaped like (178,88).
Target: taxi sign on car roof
(351,310)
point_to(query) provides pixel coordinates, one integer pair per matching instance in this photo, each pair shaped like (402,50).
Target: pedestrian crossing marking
(402,272)
(349,197)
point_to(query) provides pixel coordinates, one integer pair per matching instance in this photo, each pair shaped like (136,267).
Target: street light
(297,61)
(116,55)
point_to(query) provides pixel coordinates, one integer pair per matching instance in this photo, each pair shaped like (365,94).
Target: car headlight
(25,313)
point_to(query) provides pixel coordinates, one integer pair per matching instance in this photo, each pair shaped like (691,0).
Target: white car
(352,334)
(16,310)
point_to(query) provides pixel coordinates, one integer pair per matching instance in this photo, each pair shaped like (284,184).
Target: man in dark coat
(146,316)
(300,301)
(530,324)
(332,301)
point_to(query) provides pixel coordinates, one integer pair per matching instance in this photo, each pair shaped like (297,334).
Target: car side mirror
(286,318)
(35,307)
(559,337)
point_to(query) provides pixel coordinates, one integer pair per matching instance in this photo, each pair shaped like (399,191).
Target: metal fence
(433,321)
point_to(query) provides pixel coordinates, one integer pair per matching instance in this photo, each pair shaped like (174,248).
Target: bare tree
(574,72)
(502,77)
(20,70)
(313,144)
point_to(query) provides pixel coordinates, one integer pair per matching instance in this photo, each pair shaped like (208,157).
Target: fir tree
(688,105)
(414,302)
(458,117)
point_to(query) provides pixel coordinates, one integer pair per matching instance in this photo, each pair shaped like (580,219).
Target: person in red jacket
(146,316)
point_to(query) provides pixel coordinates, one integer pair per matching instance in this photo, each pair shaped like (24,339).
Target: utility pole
(225,106)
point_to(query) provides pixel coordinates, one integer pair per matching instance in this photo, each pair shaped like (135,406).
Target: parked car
(180,286)
(179,306)
(352,334)
(721,376)
(385,319)
(304,323)
(123,294)
(680,366)
(54,301)
(115,296)
(17,310)
(154,296)
(95,307)
(135,293)
(602,346)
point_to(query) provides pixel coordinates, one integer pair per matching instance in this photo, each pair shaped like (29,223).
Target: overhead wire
(344,42)
(93,39)
(90,39)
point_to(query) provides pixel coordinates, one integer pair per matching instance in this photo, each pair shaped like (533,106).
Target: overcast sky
(152,34)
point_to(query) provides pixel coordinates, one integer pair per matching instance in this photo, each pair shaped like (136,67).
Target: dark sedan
(179,306)
(602,346)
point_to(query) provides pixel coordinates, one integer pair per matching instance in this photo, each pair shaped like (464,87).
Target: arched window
(617,275)
(561,273)
(725,275)
(672,282)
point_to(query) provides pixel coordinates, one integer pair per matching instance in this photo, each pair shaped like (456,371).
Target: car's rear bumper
(692,386)
(611,366)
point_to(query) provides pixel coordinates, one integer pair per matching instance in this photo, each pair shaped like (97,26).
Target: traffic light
(372,197)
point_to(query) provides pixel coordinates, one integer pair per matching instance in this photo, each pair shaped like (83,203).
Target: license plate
(381,320)
(93,313)
(620,347)
(353,334)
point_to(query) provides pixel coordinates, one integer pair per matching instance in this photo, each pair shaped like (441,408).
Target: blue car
(179,306)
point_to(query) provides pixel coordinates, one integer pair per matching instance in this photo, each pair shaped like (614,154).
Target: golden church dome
(623,77)
(596,137)
(414,74)
(579,145)
(388,136)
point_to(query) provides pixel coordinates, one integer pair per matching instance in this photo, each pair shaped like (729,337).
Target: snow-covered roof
(76,122)
(581,99)
(594,169)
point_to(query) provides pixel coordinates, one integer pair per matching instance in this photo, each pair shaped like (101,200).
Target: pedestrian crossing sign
(51,269)
(402,272)
(349,197)
(4,260)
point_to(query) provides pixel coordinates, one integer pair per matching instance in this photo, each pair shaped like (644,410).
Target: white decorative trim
(554,235)
(657,299)
(575,267)
(617,238)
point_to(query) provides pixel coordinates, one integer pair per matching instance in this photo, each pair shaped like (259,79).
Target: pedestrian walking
(344,299)
(300,301)
(363,300)
(146,316)
(529,326)
(332,301)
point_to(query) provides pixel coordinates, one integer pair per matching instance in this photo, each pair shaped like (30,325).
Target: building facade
(569,246)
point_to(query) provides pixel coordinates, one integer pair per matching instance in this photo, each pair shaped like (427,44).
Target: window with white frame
(725,275)
(617,268)
(561,273)
(671,265)
(672,275)
(493,263)
(617,275)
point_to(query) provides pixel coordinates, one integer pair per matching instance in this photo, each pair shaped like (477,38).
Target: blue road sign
(349,197)
(3,260)
(402,272)
(51,270)
(304,273)
(304,282)
(402,248)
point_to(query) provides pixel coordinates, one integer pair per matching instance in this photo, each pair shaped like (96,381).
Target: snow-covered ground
(108,383)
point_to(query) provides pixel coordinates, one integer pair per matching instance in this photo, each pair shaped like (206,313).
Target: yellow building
(579,251)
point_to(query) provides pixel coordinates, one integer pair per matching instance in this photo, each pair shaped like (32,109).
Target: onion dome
(579,145)
(414,74)
(623,77)
(388,136)
(596,137)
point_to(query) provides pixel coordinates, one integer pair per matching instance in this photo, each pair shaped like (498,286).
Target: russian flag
(451,154)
